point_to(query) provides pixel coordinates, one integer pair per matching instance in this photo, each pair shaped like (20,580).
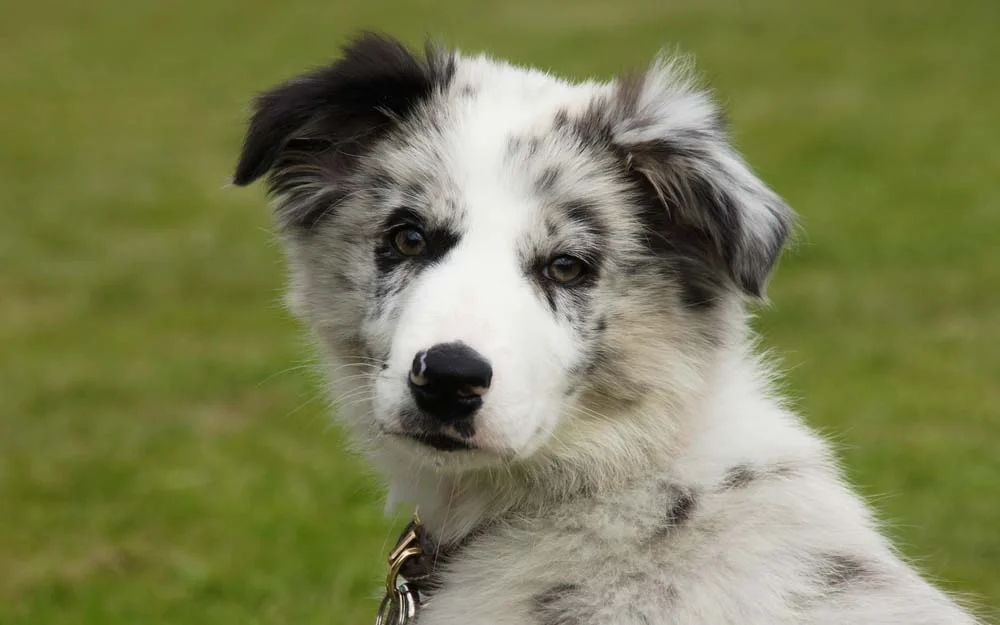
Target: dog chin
(441,455)
(442,451)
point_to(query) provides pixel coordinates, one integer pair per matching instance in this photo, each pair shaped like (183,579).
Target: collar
(412,568)
(410,575)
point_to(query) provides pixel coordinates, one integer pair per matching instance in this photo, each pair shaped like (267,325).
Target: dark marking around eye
(439,241)
(583,214)
(549,290)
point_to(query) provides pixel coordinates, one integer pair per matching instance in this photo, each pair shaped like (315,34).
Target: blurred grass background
(165,455)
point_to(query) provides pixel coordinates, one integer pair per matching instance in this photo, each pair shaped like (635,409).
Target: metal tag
(400,603)
(397,607)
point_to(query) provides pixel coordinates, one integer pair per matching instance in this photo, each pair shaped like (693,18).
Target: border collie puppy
(530,297)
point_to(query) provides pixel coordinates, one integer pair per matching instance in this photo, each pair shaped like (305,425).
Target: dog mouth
(440,442)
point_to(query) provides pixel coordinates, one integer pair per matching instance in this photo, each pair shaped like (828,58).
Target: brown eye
(565,270)
(409,241)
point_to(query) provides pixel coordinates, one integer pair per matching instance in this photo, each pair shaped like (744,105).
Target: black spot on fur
(531,146)
(682,509)
(561,120)
(413,191)
(680,503)
(381,181)
(737,477)
(744,475)
(558,605)
(593,129)
(584,213)
(602,326)
(550,228)
(547,180)
(841,571)
(315,127)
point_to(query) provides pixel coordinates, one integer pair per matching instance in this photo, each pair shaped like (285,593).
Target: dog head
(496,261)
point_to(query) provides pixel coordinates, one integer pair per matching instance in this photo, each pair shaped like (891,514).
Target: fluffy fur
(630,463)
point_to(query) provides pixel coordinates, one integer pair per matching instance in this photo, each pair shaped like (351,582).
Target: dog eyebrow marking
(413,191)
(584,213)
(554,606)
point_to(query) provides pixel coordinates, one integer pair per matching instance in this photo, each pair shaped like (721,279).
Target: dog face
(495,261)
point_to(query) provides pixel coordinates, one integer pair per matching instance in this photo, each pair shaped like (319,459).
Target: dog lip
(441,442)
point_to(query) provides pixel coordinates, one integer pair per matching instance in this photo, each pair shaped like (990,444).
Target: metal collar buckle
(400,602)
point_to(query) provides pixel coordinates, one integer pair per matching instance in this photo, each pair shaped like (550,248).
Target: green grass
(166,458)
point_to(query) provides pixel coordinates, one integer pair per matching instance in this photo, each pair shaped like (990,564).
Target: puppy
(530,295)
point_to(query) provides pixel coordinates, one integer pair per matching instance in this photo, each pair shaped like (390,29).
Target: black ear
(673,137)
(339,110)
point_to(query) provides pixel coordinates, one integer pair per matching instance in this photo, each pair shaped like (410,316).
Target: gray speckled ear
(672,134)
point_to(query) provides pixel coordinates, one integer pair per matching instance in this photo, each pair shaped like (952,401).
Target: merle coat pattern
(593,246)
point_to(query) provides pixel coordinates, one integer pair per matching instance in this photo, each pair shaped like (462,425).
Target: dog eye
(409,241)
(566,270)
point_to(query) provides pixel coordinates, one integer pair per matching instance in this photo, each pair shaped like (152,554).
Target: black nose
(448,381)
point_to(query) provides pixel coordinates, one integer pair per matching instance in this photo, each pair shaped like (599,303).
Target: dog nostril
(418,372)
(472,391)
